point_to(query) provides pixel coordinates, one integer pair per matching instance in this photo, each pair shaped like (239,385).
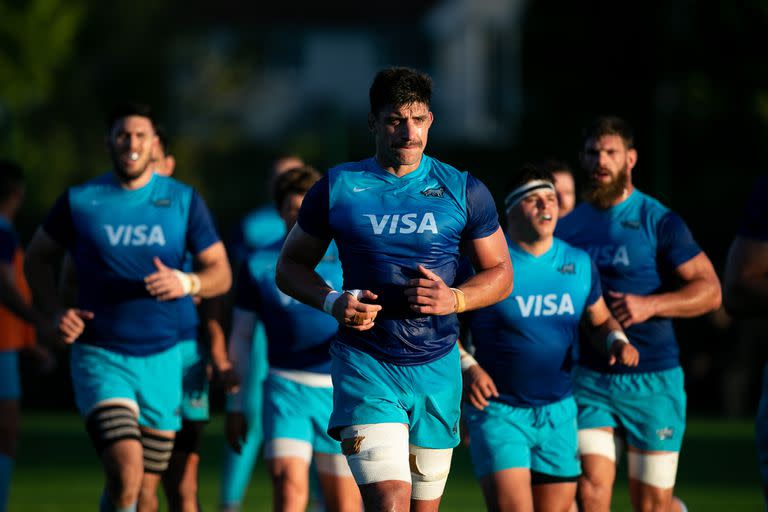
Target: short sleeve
(313,215)
(675,241)
(59,224)
(201,233)
(482,217)
(754,224)
(8,245)
(595,288)
(247,290)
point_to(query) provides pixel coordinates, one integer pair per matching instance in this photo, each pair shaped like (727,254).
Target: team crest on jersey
(134,235)
(568,268)
(162,203)
(631,224)
(434,192)
(405,224)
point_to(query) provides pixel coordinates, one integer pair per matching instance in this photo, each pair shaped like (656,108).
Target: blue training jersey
(754,224)
(384,227)
(637,245)
(298,336)
(527,342)
(113,235)
(259,228)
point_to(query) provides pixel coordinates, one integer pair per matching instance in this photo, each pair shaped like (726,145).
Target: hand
(236,429)
(164,284)
(429,295)
(623,353)
(478,387)
(227,377)
(629,309)
(71,324)
(352,313)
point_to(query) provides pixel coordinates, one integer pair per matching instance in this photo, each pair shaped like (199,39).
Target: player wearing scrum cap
(652,271)
(521,414)
(399,220)
(127,232)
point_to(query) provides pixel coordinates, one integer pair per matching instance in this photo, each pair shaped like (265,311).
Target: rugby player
(298,394)
(127,232)
(259,228)
(565,187)
(17,321)
(746,294)
(200,346)
(399,220)
(652,271)
(521,414)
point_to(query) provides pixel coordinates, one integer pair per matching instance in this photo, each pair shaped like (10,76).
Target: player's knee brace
(654,469)
(157,452)
(377,452)
(429,471)
(109,424)
(189,437)
(593,441)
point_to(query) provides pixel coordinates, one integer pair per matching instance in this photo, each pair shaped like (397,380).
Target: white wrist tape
(612,337)
(190,282)
(329,300)
(466,360)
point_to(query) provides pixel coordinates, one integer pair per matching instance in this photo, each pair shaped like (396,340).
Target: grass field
(57,470)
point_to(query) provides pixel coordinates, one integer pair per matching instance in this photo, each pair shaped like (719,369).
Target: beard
(129,175)
(603,196)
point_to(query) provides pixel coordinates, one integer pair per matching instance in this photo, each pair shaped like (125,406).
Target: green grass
(57,470)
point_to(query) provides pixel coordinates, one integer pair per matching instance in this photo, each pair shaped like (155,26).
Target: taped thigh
(594,441)
(281,447)
(333,464)
(157,451)
(654,469)
(110,423)
(377,452)
(429,471)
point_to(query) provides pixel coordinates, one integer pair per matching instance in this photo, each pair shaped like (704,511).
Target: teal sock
(6,468)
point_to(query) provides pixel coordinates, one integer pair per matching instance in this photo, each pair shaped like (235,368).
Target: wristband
(612,337)
(329,300)
(461,302)
(190,282)
(466,360)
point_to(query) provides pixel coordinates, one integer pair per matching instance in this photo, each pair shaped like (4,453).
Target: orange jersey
(15,333)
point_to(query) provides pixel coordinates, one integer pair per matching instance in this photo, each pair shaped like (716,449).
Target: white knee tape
(655,469)
(593,441)
(377,452)
(332,464)
(429,471)
(286,447)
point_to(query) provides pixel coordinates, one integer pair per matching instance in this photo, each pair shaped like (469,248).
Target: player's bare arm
(699,294)
(492,283)
(39,261)
(213,276)
(296,277)
(746,277)
(478,385)
(607,335)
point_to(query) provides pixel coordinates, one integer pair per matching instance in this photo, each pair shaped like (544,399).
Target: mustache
(409,144)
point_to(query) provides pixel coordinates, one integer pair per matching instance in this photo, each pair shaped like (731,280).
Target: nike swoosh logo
(359,189)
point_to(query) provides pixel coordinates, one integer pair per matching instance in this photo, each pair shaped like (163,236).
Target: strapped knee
(429,471)
(108,424)
(157,452)
(377,452)
(593,441)
(654,469)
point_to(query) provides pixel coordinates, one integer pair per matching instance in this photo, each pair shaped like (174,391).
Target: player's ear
(631,158)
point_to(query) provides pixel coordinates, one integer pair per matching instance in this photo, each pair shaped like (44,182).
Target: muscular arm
(295,274)
(493,281)
(213,270)
(600,324)
(746,277)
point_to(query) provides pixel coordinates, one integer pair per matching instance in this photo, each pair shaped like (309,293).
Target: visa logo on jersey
(402,224)
(545,305)
(135,235)
(609,255)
